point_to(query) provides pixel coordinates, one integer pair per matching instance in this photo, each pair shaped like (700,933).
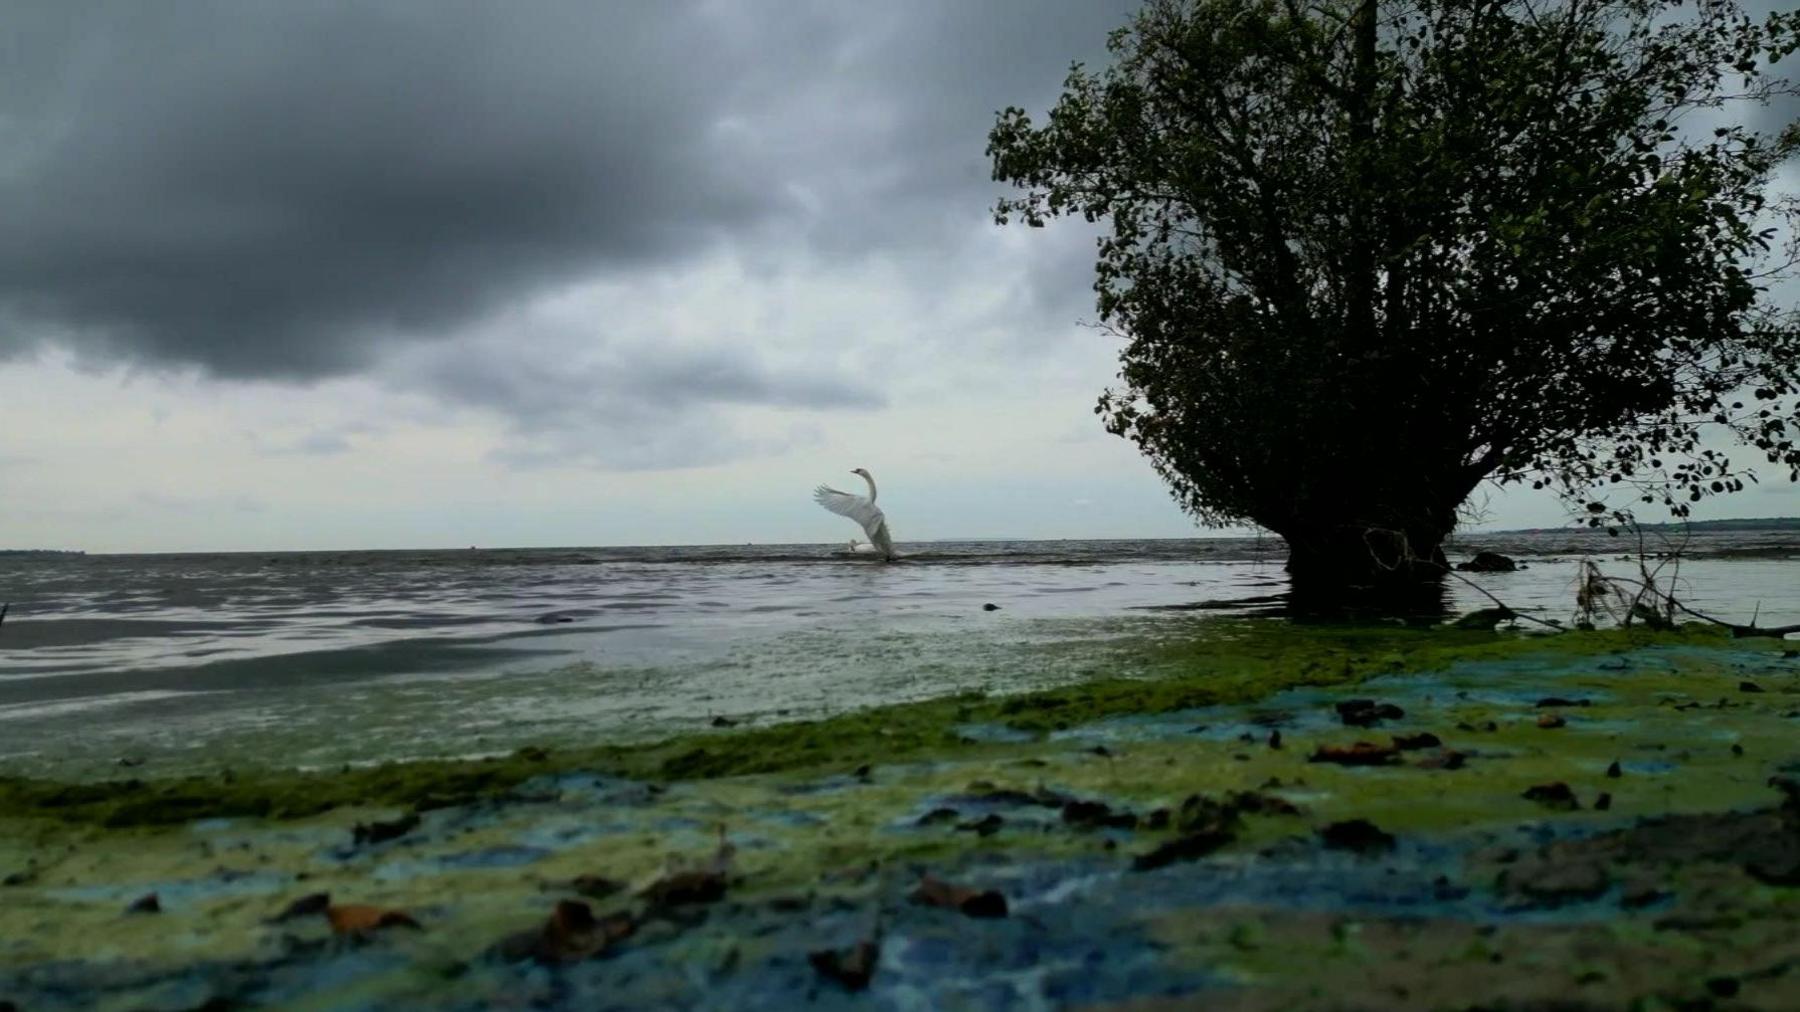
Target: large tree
(1366,256)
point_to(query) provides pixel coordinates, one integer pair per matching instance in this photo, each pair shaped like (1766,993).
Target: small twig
(1649,587)
(1631,610)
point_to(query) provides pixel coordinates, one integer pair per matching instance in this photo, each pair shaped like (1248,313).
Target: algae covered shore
(1265,816)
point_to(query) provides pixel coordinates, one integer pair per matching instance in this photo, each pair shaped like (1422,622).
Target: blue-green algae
(828,824)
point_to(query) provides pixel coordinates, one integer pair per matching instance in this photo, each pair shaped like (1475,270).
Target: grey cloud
(697,440)
(626,404)
(269,189)
(280,190)
(890,140)
(272,189)
(643,377)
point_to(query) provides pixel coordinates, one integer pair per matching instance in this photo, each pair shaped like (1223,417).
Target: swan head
(860,470)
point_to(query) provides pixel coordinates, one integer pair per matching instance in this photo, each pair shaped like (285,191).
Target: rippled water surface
(331,656)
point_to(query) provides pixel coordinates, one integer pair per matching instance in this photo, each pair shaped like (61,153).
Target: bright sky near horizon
(411,274)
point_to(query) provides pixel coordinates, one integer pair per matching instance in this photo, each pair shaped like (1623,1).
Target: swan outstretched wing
(859,509)
(856,507)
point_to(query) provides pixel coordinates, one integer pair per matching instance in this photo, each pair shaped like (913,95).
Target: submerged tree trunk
(1357,570)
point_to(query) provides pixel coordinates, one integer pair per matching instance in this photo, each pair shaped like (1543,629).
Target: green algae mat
(1268,817)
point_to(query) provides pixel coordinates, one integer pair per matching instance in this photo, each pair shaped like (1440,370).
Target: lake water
(325,657)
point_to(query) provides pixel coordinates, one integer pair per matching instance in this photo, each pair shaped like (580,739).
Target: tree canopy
(1366,256)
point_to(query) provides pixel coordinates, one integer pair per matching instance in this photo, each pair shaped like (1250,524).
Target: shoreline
(396,668)
(1206,662)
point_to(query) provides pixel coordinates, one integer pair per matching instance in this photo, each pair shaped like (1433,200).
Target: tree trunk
(1354,571)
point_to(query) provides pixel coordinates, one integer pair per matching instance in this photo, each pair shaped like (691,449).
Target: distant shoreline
(1747,525)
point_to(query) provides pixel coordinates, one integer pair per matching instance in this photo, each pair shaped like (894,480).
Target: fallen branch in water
(1596,586)
(1593,589)
(1740,631)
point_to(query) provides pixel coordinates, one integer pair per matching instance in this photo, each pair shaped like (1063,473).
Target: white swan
(862,510)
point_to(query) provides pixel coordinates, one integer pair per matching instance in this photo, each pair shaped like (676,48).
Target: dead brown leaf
(306,906)
(852,967)
(362,919)
(935,892)
(571,934)
(1259,803)
(683,888)
(1188,847)
(1367,712)
(381,832)
(1359,835)
(1444,759)
(1553,795)
(1410,742)
(704,884)
(1362,753)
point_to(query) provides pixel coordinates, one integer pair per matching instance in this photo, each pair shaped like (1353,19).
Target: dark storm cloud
(897,151)
(267,189)
(276,190)
(283,190)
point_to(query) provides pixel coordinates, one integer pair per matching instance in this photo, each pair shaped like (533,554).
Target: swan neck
(871,480)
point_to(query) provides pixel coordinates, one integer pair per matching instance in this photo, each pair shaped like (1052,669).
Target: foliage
(1366,256)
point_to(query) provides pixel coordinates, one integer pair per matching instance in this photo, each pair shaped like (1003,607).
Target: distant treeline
(1756,524)
(1762,524)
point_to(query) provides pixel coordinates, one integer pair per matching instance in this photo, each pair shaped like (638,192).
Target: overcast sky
(392,274)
